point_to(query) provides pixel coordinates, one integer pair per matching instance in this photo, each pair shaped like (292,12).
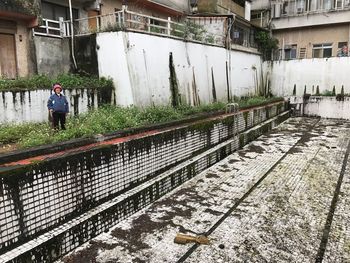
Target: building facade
(311,28)
(241,30)
(16,20)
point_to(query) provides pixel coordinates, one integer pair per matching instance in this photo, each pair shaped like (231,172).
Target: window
(285,8)
(238,35)
(342,49)
(302,52)
(290,52)
(54,12)
(322,50)
(327,4)
(256,16)
(338,4)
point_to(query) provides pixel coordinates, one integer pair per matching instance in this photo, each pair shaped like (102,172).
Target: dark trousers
(59,117)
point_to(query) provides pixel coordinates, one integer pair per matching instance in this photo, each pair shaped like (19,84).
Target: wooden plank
(92,14)
(8,63)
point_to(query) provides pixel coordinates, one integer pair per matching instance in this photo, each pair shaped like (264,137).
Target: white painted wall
(139,66)
(31,106)
(324,72)
(328,107)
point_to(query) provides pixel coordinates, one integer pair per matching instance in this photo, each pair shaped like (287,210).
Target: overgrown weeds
(45,82)
(108,119)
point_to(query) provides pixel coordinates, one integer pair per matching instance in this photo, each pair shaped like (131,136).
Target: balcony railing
(51,28)
(304,7)
(130,21)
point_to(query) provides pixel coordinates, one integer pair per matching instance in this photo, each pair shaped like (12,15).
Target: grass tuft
(107,119)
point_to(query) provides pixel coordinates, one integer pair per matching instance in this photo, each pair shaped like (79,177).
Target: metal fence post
(169,26)
(62,31)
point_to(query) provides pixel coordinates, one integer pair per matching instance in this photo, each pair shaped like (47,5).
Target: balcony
(302,13)
(130,21)
(20,10)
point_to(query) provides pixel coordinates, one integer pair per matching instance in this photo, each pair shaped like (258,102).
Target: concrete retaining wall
(322,72)
(31,106)
(325,107)
(52,55)
(101,184)
(148,70)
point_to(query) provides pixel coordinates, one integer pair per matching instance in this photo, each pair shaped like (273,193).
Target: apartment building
(35,35)
(242,31)
(311,28)
(16,20)
(261,13)
(91,16)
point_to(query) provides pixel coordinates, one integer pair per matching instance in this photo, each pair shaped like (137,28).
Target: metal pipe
(229,56)
(72,33)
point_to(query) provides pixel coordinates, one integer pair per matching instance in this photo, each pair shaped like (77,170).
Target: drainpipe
(72,33)
(349,42)
(283,49)
(230,48)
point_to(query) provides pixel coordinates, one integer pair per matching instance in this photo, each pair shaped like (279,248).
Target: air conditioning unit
(277,10)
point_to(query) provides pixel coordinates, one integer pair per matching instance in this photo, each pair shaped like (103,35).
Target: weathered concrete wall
(325,107)
(52,55)
(86,54)
(143,66)
(23,38)
(31,106)
(215,27)
(85,191)
(325,73)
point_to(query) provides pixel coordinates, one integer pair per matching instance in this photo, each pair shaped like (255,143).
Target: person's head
(57,88)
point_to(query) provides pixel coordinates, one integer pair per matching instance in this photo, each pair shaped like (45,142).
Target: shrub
(44,82)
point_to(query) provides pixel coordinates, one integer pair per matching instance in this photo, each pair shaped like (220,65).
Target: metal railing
(51,28)
(131,21)
(303,7)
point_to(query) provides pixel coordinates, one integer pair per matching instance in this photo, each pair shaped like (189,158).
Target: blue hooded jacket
(58,103)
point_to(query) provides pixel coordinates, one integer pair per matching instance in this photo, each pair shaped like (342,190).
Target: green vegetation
(326,93)
(111,27)
(330,93)
(45,82)
(192,31)
(108,119)
(266,44)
